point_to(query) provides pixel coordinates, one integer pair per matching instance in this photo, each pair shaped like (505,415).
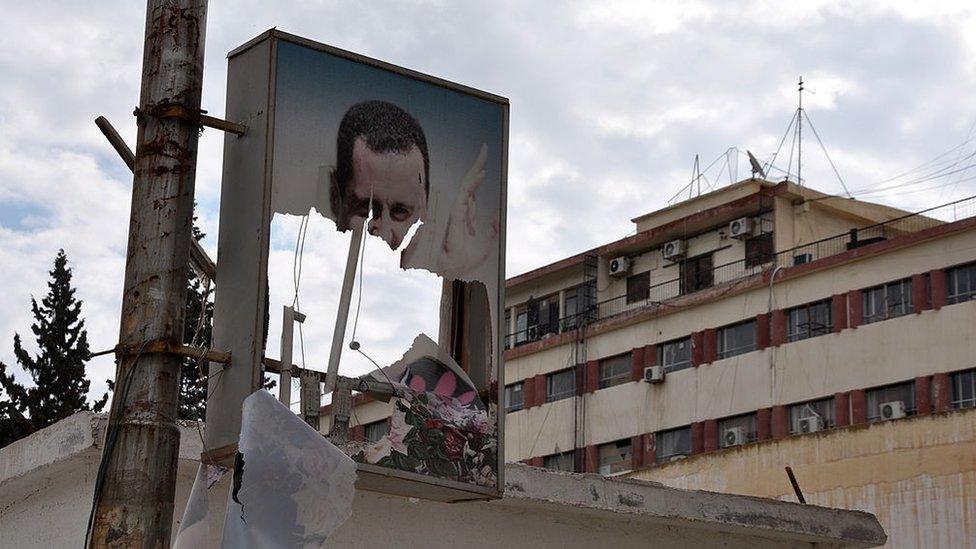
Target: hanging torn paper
(291,487)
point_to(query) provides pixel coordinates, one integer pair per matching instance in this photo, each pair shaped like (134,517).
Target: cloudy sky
(611,101)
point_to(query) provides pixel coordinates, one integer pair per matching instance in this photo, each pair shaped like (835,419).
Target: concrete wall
(918,475)
(46,482)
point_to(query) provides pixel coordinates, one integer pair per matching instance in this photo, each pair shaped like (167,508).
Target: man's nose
(382,227)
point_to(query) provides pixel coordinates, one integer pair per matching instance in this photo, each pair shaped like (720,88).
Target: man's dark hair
(385,128)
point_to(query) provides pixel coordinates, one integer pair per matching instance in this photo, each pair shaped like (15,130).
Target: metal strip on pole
(136,482)
(287,344)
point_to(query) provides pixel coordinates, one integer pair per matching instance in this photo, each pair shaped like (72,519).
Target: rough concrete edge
(656,501)
(70,437)
(55,443)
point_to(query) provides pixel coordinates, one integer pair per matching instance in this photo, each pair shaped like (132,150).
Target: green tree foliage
(60,384)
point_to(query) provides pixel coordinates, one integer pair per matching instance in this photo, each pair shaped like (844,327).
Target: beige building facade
(760,323)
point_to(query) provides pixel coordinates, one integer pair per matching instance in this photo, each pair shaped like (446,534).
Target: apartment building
(749,328)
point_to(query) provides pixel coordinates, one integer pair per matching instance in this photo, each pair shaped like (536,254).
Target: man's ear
(336,202)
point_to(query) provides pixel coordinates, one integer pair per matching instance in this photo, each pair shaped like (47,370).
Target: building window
(810,320)
(615,370)
(759,250)
(514,397)
(672,444)
(961,283)
(521,325)
(808,417)
(375,431)
(902,392)
(964,389)
(675,355)
(888,301)
(579,302)
(737,339)
(565,461)
(737,430)
(561,385)
(639,287)
(696,274)
(615,457)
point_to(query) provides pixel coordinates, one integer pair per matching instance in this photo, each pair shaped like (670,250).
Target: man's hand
(466,245)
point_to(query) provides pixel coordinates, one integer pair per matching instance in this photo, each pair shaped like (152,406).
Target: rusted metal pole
(137,480)
(796,485)
(198,257)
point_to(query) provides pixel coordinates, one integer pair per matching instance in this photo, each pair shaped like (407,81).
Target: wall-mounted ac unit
(619,266)
(741,228)
(893,410)
(811,424)
(800,259)
(674,250)
(654,374)
(534,332)
(734,436)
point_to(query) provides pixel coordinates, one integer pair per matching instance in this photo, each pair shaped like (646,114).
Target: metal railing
(659,294)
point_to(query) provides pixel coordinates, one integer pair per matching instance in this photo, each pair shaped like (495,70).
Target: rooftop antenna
(756,166)
(799,131)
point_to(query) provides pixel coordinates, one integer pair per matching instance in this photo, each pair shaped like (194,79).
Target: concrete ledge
(47,479)
(655,502)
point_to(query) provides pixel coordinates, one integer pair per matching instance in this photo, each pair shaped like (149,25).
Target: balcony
(665,292)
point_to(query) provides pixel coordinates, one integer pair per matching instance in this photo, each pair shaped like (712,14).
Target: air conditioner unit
(535,332)
(654,374)
(674,250)
(619,266)
(893,410)
(734,436)
(741,228)
(811,424)
(800,259)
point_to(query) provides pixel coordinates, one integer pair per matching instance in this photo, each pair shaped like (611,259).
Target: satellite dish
(756,166)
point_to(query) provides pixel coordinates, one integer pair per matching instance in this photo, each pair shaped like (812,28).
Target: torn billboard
(420,165)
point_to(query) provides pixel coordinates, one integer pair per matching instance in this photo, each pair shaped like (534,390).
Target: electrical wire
(824,149)
(111,435)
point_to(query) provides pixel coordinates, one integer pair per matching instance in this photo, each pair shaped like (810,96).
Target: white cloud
(610,103)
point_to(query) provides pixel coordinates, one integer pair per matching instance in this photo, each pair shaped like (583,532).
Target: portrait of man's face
(395,181)
(381,158)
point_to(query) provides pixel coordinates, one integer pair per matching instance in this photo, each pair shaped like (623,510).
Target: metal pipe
(339,334)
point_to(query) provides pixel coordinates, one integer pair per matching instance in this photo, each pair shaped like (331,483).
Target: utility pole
(136,483)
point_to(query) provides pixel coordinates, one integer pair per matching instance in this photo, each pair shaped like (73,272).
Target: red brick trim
(537,461)
(637,364)
(763,423)
(859,407)
(358,433)
(842,409)
(938,278)
(920,299)
(697,437)
(737,287)
(591,459)
(838,304)
(540,389)
(650,355)
(855,308)
(762,331)
(592,376)
(943,394)
(697,348)
(580,371)
(780,419)
(528,393)
(777,327)
(636,452)
(710,435)
(923,395)
(710,346)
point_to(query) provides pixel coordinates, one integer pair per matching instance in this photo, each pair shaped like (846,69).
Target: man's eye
(400,213)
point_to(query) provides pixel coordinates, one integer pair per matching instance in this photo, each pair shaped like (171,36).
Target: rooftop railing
(660,294)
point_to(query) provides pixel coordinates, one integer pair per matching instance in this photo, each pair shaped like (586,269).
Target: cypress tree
(58,371)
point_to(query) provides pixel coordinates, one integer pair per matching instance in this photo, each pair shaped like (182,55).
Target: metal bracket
(194,117)
(170,348)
